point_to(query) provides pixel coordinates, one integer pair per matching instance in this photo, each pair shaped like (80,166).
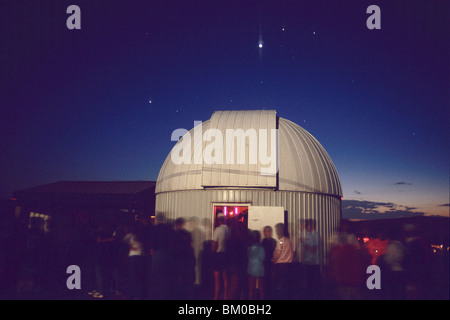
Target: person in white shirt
(219,248)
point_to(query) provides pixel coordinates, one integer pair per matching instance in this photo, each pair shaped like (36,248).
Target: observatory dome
(303,164)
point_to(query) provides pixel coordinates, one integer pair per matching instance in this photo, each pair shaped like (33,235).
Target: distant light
(260,45)
(366,239)
(225,210)
(13,199)
(236,210)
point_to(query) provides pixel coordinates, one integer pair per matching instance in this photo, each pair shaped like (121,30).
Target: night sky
(101,103)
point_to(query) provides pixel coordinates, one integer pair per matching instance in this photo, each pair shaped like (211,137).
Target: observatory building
(256,168)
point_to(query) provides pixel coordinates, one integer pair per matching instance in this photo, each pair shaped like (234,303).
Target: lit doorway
(236,216)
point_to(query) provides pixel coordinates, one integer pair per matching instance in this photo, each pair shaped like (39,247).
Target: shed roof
(88,191)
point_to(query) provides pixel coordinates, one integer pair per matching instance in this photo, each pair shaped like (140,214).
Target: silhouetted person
(184,261)
(236,259)
(416,263)
(206,258)
(311,260)
(34,261)
(255,268)
(8,256)
(162,244)
(83,249)
(269,244)
(104,260)
(145,236)
(393,270)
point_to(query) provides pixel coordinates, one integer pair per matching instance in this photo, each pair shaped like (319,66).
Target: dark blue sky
(75,104)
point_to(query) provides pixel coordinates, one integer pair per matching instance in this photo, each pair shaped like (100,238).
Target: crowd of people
(273,270)
(144,261)
(165,260)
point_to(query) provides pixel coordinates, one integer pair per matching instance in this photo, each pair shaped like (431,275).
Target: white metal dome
(303,164)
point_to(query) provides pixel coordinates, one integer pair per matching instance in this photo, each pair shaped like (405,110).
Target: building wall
(324,209)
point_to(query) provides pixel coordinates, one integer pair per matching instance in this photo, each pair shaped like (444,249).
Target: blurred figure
(255,269)
(33,263)
(104,261)
(205,228)
(416,263)
(344,235)
(184,261)
(310,260)
(9,250)
(392,269)
(197,238)
(163,267)
(269,244)
(136,265)
(282,259)
(236,259)
(348,264)
(220,239)
(143,229)
(206,258)
(82,247)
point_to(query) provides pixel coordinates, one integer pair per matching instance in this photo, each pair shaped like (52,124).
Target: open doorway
(236,217)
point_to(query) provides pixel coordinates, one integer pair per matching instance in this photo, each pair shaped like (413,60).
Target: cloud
(445,205)
(402,183)
(369,210)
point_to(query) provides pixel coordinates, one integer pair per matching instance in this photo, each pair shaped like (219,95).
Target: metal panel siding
(324,209)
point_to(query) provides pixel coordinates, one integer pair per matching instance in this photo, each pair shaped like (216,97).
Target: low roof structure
(117,194)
